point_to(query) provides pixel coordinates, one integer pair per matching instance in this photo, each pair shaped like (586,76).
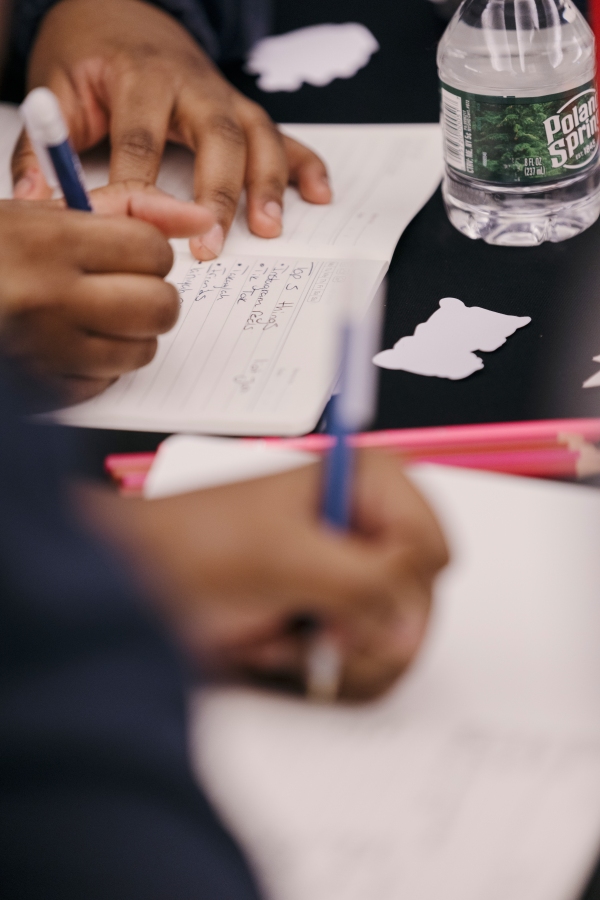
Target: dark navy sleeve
(97,799)
(225,28)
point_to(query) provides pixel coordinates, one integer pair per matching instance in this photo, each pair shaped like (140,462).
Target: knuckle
(145,353)
(255,113)
(272,184)
(121,356)
(78,389)
(263,124)
(162,253)
(167,309)
(225,197)
(139,143)
(227,129)
(147,51)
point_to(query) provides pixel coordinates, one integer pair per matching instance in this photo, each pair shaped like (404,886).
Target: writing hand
(125,69)
(83,297)
(237,564)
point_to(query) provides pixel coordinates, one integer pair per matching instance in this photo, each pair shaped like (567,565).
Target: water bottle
(519,114)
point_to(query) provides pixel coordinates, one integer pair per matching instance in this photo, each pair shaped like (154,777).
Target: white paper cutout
(317,55)
(594,381)
(443,345)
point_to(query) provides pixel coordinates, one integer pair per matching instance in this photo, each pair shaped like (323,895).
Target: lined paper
(253,349)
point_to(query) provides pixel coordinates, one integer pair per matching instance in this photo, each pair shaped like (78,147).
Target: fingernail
(209,245)
(214,239)
(24,187)
(274,211)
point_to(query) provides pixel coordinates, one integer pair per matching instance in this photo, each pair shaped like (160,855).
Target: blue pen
(352,408)
(337,491)
(49,136)
(349,410)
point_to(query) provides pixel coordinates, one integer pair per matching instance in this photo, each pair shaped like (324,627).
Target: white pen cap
(43,118)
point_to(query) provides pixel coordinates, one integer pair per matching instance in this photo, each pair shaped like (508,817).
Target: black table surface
(540,371)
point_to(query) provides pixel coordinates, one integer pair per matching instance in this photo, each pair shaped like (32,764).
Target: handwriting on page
(253,335)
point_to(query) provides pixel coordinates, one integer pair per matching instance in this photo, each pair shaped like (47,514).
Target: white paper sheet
(253,351)
(316,55)
(234,365)
(478,778)
(381,175)
(192,462)
(443,345)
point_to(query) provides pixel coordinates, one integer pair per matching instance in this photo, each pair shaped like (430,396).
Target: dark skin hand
(231,568)
(83,297)
(125,69)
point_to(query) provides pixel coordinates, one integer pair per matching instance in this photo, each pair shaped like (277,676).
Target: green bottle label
(520,140)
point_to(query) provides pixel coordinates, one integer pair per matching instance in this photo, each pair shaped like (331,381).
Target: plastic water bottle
(520,121)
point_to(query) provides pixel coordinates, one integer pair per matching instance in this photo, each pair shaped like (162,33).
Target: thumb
(28,180)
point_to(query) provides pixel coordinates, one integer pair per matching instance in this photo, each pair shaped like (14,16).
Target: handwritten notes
(443,345)
(252,350)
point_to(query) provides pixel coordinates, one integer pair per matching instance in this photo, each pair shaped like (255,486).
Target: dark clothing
(225,28)
(97,799)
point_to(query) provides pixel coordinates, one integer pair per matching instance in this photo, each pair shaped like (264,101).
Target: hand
(126,69)
(83,297)
(237,563)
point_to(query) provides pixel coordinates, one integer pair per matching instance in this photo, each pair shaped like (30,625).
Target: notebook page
(253,351)
(381,175)
(478,778)
(207,376)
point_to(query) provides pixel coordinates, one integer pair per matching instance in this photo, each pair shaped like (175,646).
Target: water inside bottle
(514,74)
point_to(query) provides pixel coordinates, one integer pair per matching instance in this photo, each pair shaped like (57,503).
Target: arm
(97,798)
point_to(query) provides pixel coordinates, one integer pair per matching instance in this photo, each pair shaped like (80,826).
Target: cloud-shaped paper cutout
(594,380)
(443,345)
(315,55)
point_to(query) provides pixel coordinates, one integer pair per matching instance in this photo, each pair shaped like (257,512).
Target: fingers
(140,118)
(74,389)
(219,172)
(55,346)
(253,152)
(124,306)
(28,181)
(308,172)
(390,510)
(175,218)
(117,245)
(266,176)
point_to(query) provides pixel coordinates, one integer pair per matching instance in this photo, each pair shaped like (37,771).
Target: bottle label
(520,140)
